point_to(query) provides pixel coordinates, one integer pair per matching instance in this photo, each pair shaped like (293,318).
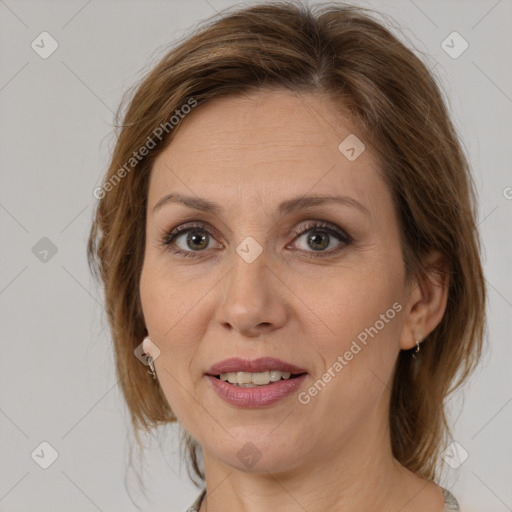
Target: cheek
(356,355)
(166,301)
(355,329)
(350,300)
(175,319)
(167,312)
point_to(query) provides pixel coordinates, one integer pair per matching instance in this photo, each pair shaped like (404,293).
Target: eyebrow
(285,208)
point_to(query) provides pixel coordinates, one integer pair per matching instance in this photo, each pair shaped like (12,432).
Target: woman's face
(271,274)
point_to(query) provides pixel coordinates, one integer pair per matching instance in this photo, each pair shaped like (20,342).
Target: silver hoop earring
(151,370)
(146,347)
(417,349)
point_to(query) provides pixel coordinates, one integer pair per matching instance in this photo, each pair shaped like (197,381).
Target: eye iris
(193,236)
(317,239)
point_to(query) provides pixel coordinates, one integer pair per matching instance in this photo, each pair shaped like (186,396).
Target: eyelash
(323,227)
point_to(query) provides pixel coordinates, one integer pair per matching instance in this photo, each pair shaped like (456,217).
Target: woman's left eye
(198,238)
(320,237)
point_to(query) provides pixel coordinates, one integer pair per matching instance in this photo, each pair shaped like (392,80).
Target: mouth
(251,380)
(258,372)
(255,383)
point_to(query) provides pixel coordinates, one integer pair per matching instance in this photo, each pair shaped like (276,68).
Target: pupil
(315,240)
(193,236)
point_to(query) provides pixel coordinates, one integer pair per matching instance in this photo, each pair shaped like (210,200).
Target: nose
(253,299)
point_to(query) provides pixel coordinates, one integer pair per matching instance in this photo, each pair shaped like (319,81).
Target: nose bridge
(249,300)
(247,279)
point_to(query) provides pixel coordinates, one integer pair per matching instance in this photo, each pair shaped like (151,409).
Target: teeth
(260,379)
(275,376)
(232,378)
(243,378)
(249,380)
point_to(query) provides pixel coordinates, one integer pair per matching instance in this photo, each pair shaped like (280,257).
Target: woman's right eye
(188,239)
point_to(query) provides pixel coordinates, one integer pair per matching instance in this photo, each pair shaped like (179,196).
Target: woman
(286,237)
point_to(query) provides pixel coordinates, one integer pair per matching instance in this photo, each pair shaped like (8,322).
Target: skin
(248,154)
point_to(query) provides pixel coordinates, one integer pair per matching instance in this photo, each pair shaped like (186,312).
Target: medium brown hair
(395,103)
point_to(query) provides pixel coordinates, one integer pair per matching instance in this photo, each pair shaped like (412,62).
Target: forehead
(264,145)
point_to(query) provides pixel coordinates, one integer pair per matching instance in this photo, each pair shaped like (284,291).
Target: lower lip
(258,396)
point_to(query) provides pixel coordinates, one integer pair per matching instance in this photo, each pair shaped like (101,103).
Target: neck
(360,474)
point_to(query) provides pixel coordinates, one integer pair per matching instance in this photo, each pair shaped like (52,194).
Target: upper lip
(237,364)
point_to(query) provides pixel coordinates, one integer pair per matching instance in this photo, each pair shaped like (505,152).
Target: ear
(426,301)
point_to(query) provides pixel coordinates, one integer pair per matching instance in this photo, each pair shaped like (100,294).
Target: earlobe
(427,301)
(147,346)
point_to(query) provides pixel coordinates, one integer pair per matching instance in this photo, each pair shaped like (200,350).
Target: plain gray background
(57,376)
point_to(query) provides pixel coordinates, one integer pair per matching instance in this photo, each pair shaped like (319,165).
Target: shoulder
(197,503)
(450,503)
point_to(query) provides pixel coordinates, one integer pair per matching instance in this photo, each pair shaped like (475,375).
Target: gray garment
(450,503)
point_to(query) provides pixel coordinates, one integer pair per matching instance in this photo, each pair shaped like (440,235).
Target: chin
(254,450)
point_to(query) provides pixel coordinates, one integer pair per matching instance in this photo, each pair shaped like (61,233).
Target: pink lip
(259,396)
(236,364)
